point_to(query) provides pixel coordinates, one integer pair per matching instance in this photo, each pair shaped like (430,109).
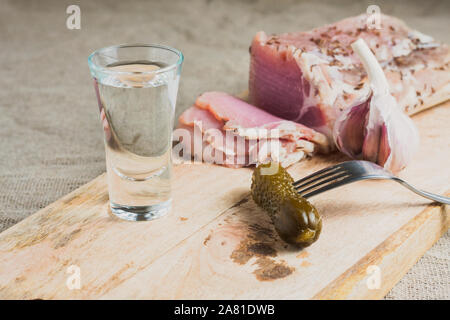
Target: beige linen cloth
(50,133)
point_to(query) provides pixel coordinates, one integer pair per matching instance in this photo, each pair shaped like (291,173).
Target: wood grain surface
(217,244)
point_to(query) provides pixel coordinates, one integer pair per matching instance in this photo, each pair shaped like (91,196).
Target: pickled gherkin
(295,219)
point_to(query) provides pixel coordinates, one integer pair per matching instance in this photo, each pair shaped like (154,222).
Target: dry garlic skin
(376,129)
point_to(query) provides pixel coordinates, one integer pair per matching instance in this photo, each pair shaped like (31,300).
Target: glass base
(141,213)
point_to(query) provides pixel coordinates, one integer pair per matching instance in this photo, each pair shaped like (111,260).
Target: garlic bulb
(376,129)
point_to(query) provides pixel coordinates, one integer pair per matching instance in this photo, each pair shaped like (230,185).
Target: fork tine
(318,177)
(330,186)
(315,174)
(325,182)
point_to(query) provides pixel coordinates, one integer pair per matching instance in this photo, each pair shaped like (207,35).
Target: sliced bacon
(240,115)
(311,77)
(226,107)
(223,119)
(193,114)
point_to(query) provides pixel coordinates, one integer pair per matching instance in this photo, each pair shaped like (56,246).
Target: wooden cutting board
(216,244)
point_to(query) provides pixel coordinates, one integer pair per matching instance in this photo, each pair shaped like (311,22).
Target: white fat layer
(327,80)
(285,130)
(267,150)
(311,66)
(262,145)
(423,38)
(346,61)
(292,158)
(383,53)
(306,146)
(425,41)
(402,48)
(219,141)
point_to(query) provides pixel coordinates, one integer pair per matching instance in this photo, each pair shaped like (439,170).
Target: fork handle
(429,195)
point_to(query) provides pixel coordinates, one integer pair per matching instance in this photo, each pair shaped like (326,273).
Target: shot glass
(136,87)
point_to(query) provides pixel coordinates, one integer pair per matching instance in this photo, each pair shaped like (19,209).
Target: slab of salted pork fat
(311,77)
(231,132)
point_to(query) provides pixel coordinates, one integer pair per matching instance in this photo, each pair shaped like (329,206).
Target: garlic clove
(349,129)
(376,130)
(403,139)
(384,149)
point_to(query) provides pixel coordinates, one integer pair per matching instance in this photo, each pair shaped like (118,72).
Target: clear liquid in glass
(137,112)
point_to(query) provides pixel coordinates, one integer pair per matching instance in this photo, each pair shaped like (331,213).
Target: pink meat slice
(238,114)
(227,107)
(221,117)
(194,113)
(311,77)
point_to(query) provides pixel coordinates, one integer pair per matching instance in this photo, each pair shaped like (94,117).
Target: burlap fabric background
(50,134)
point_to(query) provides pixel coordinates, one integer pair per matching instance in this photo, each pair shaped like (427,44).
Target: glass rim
(95,67)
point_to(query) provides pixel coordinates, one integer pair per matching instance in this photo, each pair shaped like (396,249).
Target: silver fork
(352,171)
